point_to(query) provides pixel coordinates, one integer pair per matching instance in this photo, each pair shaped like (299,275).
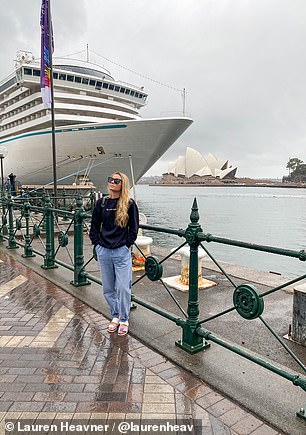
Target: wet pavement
(58,363)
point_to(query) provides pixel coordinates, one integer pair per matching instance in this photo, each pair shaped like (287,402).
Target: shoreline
(282,186)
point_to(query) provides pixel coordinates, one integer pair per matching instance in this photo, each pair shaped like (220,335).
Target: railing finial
(194,215)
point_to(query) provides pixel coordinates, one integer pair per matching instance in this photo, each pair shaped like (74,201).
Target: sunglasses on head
(115,180)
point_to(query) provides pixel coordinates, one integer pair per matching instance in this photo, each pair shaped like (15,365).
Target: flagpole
(52,108)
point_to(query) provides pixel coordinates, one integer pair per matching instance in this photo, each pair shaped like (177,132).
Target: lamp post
(3,154)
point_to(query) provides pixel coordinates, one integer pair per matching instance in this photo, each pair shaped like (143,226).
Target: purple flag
(46,53)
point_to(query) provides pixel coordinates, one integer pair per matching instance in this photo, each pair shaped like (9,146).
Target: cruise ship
(98,128)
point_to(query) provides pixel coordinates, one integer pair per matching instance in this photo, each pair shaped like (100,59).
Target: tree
(298,168)
(293,164)
(299,174)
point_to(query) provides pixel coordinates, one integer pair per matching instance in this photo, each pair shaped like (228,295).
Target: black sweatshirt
(105,232)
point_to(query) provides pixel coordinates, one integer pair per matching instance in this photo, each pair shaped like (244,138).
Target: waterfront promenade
(58,363)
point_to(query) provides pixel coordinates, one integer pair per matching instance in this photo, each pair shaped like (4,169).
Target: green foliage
(294,163)
(298,168)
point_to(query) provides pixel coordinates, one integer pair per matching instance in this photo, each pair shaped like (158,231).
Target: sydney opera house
(194,167)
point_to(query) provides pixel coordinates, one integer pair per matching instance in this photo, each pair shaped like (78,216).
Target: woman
(114,227)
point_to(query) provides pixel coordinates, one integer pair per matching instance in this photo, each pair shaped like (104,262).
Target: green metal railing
(19,218)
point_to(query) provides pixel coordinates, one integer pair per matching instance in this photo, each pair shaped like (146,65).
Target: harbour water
(268,216)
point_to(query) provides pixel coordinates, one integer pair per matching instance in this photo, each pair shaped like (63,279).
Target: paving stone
(85,379)
(221,407)
(160,367)
(135,393)
(59,407)
(125,407)
(158,398)
(232,416)
(92,407)
(161,408)
(80,397)
(72,388)
(21,371)
(138,376)
(58,362)
(28,415)
(209,399)
(170,373)
(111,397)
(12,415)
(8,378)
(247,425)
(32,379)
(158,388)
(151,417)
(4,386)
(183,404)
(198,391)
(50,396)
(22,396)
(27,406)
(5,406)
(155,380)
(264,430)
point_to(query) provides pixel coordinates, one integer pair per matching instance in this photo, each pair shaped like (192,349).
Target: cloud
(20,28)
(242,64)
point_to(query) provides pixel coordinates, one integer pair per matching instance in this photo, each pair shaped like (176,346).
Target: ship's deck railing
(28,222)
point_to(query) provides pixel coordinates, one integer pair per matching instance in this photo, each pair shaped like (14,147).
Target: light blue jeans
(116,271)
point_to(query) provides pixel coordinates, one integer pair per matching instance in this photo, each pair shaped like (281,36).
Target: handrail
(247,300)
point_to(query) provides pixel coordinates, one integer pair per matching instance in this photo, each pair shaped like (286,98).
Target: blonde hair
(122,216)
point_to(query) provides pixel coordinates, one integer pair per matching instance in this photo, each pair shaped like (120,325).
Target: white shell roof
(194,163)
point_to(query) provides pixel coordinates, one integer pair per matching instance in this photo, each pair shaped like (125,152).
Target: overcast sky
(242,62)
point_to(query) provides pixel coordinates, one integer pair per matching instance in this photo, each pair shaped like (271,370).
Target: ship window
(92,82)
(127,91)
(98,85)
(70,78)
(85,81)
(111,87)
(77,79)
(122,90)
(136,95)
(36,72)
(62,76)
(55,75)
(105,85)
(27,71)
(117,88)
(132,93)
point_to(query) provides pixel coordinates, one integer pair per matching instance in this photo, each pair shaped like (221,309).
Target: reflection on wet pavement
(59,362)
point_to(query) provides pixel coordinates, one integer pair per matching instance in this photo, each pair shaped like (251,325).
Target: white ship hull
(96,150)
(98,128)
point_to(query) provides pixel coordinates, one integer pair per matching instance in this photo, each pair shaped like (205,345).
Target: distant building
(195,165)
(150,179)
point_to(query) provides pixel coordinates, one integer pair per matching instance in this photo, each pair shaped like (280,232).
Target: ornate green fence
(26,219)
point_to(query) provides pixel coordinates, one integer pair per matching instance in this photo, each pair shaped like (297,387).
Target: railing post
(79,278)
(49,220)
(92,200)
(11,240)
(3,228)
(65,218)
(191,341)
(36,199)
(28,250)
(44,202)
